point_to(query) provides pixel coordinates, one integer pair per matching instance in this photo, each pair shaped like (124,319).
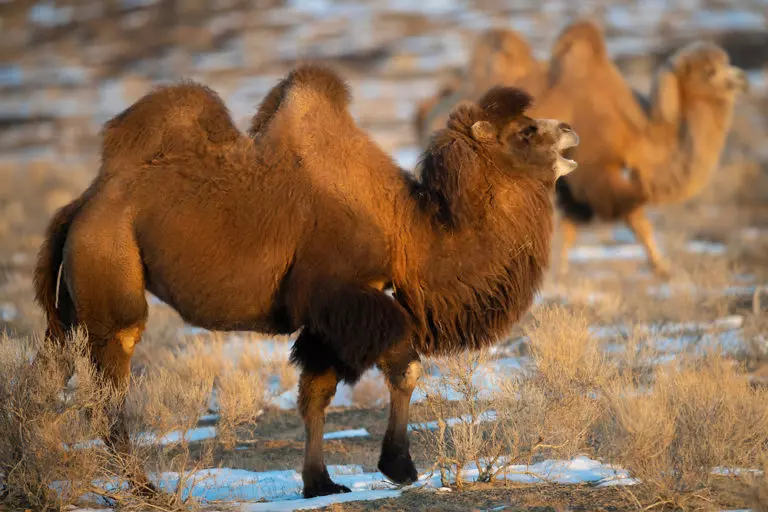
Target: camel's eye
(710,72)
(529,131)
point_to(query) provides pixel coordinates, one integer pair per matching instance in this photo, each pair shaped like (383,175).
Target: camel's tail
(167,120)
(49,291)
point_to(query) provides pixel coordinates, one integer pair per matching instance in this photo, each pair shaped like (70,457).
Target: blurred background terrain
(67,66)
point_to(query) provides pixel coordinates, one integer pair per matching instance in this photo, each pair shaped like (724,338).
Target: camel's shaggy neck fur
(482,239)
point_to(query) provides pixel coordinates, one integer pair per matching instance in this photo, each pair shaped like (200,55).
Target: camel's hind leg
(105,276)
(402,370)
(316,389)
(112,358)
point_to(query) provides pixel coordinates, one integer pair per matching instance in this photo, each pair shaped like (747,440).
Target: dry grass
(514,420)
(38,424)
(694,418)
(756,492)
(370,391)
(669,426)
(48,457)
(242,397)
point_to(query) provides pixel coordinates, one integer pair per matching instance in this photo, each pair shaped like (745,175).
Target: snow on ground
(728,323)
(198,434)
(585,253)
(344,434)
(281,490)
(433,425)
(194,435)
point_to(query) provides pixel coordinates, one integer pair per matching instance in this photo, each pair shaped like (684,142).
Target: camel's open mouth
(565,165)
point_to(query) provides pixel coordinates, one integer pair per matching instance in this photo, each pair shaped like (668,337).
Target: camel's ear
(665,97)
(483,131)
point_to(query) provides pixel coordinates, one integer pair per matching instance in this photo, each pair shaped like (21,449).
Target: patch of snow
(8,312)
(702,247)
(732,19)
(194,435)
(289,399)
(585,253)
(727,323)
(433,425)
(578,470)
(11,76)
(735,471)
(281,490)
(343,434)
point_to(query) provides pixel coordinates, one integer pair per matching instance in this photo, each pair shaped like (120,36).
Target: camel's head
(703,69)
(518,143)
(490,144)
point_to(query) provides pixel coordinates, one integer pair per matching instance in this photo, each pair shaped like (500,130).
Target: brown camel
(636,150)
(498,57)
(306,226)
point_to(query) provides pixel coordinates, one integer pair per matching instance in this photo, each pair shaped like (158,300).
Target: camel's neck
(695,154)
(467,287)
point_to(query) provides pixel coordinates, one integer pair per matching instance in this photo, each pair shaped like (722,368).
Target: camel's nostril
(565,127)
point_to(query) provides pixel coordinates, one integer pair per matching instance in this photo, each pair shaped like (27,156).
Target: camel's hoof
(322,485)
(398,468)
(662,270)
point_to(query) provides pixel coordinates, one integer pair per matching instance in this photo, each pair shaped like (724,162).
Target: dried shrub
(40,424)
(696,417)
(509,420)
(242,397)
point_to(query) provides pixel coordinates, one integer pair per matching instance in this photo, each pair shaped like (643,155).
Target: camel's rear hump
(167,120)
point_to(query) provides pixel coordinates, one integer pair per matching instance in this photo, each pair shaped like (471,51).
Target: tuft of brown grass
(370,391)
(51,454)
(756,492)
(242,397)
(694,418)
(40,425)
(548,411)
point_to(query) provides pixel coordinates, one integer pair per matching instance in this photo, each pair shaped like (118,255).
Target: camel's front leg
(402,369)
(642,229)
(316,390)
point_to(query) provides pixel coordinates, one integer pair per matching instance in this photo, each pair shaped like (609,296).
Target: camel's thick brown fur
(305,225)
(498,57)
(636,150)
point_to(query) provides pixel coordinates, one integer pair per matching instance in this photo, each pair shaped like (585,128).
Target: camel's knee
(112,354)
(127,339)
(401,367)
(408,379)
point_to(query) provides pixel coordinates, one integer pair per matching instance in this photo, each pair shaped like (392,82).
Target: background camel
(498,57)
(305,226)
(637,150)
